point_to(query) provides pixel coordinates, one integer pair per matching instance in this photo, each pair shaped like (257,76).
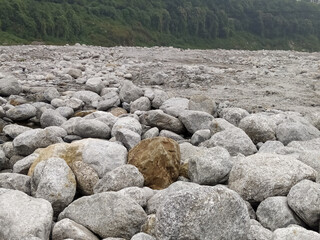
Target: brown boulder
(158,159)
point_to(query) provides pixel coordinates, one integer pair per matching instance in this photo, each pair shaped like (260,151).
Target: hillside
(238,24)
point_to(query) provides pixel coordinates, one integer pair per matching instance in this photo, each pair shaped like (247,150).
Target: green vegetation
(240,24)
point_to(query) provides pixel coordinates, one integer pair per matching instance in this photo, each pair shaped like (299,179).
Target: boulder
(260,176)
(140,195)
(141,104)
(128,138)
(13,130)
(24,216)
(15,181)
(174,106)
(158,159)
(200,136)
(92,128)
(3,159)
(54,181)
(125,216)
(51,93)
(142,236)
(233,115)
(202,103)
(258,232)
(295,233)
(172,135)
(304,200)
(314,118)
(203,213)
(51,118)
(23,165)
(67,228)
(104,117)
(270,147)
(21,112)
(72,102)
(126,123)
(9,85)
(75,73)
(94,84)
(195,120)
(109,100)
(220,124)
(120,178)
(151,133)
(159,98)
(65,112)
(88,97)
(274,213)
(129,92)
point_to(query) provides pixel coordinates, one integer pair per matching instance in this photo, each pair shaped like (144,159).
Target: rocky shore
(158,143)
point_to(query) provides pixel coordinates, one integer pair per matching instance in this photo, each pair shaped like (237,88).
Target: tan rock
(117,111)
(86,177)
(158,159)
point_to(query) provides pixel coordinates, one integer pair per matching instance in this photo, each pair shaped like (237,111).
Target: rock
(72,102)
(128,138)
(88,97)
(13,130)
(9,85)
(314,119)
(209,166)
(23,165)
(159,98)
(161,120)
(86,177)
(141,104)
(21,112)
(22,216)
(120,178)
(51,93)
(258,128)
(92,128)
(296,131)
(54,181)
(200,136)
(75,73)
(94,84)
(67,228)
(66,112)
(126,123)
(129,92)
(15,181)
(202,103)
(235,140)
(3,159)
(233,115)
(51,118)
(174,106)
(258,232)
(109,100)
(158,159)
(309,145)
(274,213)
(125,216)
(172,135)
(295,233)
(158,78)
(142,236)
(102,155)
(117,111)
(203,213)
(104,117)
(195,120)
(30,140)
(140,195)
(270,147)
(220,124)
(260,176)
(151,133)
(303,199)
(310,158)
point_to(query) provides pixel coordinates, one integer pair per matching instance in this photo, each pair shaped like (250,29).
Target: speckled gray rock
(92,128)
(200,136)
(270,147)
(202,103)
(3,159)
(159,98)
(54,181)
(23,165)
(295,233)
(94,84)
(274,213)
(21,112)
(22,216)
(141,104)
(233,115)
(235,140)
(260,176)
(151,133)
(142,236)
(30,140)
(304,200)
(195,120)
(109,100)
(67,228)
(258,128)
(66,112)
(88,97)
(128,138)
(125,216)
(309,145)
(314,118)
(129,92)
(140,195)
(105,117)
(209,166)
(174,106)
(51,93)
(9,85)
(127,123)
(15,181)
(258,232)
(119,178)
(161,120)
(220,124)
(203,213)
(51,118)
(13,130)
(72,102)
(172,135)
(310,158)
(75,73)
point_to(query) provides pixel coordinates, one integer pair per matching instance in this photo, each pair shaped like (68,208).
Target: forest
(230,24)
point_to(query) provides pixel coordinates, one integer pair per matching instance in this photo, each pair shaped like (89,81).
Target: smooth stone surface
(13,130)
(294,233)
(127,123)
(174,106)
(21,112)
(258,232)
(92,128)
(129,92)
(51,118)
(15,181)
(195,120)
(233,115)
(202,103)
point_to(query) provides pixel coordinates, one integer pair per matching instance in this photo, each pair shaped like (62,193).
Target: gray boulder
(141,104)
(94,84)
(9,85)
(30,140)
(233,115)
(51,93)
(13,130)
(72,102)
(66,112)
(54,181)
(23,165)
(151,133)
(51,118)
(109,100)
(140,195)
(309,145)
(159,98)
(142,236)
(260,176)
(75,73)
(274,213)
(174,106)
(195,120)
(220,124)
(125,216)
(202,103)
(304,200)
(105,117)
(15,181)
(129,92)
(21,112)
(258,232)
(92,128)
(314,119)
(235,140)
(3,159)
(67,228)
(24,216)
(200,136)
(203,213)
(88,97)
(119,178)
(295,233)
(127,123)
(270,147)
(128,138)
(172,135)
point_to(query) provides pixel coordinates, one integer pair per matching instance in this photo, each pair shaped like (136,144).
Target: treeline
(195,23)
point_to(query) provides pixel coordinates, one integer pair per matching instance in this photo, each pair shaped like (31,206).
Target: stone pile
(130,162)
